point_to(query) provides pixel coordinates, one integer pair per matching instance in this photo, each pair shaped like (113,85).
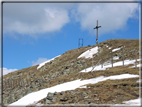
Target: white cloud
(6,71)
(39,61)
(32,18)
(111,16)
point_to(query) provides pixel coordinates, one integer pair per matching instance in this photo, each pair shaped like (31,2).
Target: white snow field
(119,63)
(40,65)
(36,96)
(89,53)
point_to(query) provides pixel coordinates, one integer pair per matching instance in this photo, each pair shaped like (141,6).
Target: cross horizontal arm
(97,27)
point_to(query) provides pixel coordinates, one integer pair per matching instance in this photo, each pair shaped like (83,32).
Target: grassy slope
(107,90)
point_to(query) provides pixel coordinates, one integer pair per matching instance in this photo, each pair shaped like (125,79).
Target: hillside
(69,67)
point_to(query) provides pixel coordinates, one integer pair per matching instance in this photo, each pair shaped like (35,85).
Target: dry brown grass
(107,90)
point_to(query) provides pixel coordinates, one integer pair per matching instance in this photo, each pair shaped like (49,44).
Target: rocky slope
(67,67)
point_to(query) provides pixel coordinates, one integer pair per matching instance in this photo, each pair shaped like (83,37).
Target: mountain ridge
(67,68)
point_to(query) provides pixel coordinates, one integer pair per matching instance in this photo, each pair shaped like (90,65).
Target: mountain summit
(103,74)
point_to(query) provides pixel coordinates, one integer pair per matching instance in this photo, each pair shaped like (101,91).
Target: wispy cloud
(39,61)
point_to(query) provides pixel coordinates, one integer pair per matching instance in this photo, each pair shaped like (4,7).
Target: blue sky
(33,33)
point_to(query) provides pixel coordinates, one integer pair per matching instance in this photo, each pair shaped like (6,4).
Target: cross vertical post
(97,32)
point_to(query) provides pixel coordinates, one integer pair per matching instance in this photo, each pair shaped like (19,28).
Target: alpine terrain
(106,74)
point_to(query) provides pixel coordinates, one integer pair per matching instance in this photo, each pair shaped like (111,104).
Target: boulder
(50,96)
(55,93)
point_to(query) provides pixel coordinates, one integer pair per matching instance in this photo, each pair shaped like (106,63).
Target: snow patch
(116,49)
(106,46)
(99,67)
(115,58)
(89,53)
(134,102)
(109,47)
(139,80)
(36,96)
(139,65)
(40,65)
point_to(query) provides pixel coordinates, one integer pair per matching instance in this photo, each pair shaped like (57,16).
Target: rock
(73,101)
(84,94)
(66,67)
(73,92)
(48,101)
(95,95)
(80,65)
(87,97)
(116,54)
(61,93)
(63,99)
(104,43)
(120,57)
(67,71)
(51,62)
(54,99)
(50,96)
(27,91)
(10,99)
(55,93)
(72,64)
(78,62)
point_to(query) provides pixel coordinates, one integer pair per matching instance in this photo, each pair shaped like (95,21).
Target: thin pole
(111,59)
(78,42)
(102,60)
(70,66)
(85,66)
(92,61)
(136,60)
(123,55)
(82,42)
